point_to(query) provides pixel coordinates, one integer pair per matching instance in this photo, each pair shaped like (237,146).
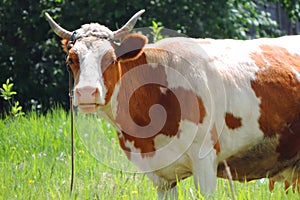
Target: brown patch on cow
(233,122)
(64,44)
(122,145)
(190,105)
(290,139)
(279,91)
(201,109)
(215,138)
(143,88)
(110,73)
(72,59)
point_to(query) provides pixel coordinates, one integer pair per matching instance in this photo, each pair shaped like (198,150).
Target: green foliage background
(30,53)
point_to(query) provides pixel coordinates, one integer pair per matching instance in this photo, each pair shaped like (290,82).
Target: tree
(28,55)
(32,58)
(291,7)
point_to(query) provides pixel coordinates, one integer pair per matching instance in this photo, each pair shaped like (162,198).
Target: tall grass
(35,164)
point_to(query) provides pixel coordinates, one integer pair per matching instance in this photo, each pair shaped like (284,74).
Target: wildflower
(41,154)
(4,187)
(21,165)
(60,131)
(61,157)
(81,151)
(113,140)
(134,192)
(13,148)
(26,151)
(31,181)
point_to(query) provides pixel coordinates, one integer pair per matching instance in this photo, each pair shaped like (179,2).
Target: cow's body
(222,100)
(230,83)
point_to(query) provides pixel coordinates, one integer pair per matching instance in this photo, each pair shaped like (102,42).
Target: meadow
(35,163)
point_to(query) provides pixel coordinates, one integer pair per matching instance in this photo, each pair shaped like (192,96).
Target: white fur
(90,56)
(169,150)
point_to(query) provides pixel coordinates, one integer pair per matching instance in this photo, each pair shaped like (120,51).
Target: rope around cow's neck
(72,129)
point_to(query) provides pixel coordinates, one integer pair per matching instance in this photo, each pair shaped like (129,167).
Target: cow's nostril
(96,92)
(87,91)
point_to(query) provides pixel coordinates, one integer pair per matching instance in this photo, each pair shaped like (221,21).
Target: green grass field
(35,164)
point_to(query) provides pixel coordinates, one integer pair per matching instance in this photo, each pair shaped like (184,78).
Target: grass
(35,164)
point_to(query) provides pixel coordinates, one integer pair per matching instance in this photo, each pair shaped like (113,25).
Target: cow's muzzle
(87,99)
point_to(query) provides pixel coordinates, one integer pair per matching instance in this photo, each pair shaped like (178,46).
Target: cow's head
(93,56)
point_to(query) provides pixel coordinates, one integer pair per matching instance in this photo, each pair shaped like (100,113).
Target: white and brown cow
(182,106)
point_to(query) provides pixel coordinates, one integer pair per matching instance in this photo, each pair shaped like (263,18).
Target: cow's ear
(64,44)
(131,47)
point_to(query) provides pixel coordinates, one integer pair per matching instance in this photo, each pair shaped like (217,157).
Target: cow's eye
(103,37)
(70,45)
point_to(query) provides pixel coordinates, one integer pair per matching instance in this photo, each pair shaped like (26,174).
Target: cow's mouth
(88,107)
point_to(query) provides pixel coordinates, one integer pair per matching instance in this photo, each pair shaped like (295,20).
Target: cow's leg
(205,171)
(165,189)
(167,194)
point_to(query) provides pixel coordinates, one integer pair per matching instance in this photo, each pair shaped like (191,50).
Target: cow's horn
(128,26)
(61,32)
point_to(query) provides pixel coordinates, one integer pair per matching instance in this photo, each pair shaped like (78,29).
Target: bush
(7,94)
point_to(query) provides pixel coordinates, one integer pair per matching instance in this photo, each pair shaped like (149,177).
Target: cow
(183,106)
